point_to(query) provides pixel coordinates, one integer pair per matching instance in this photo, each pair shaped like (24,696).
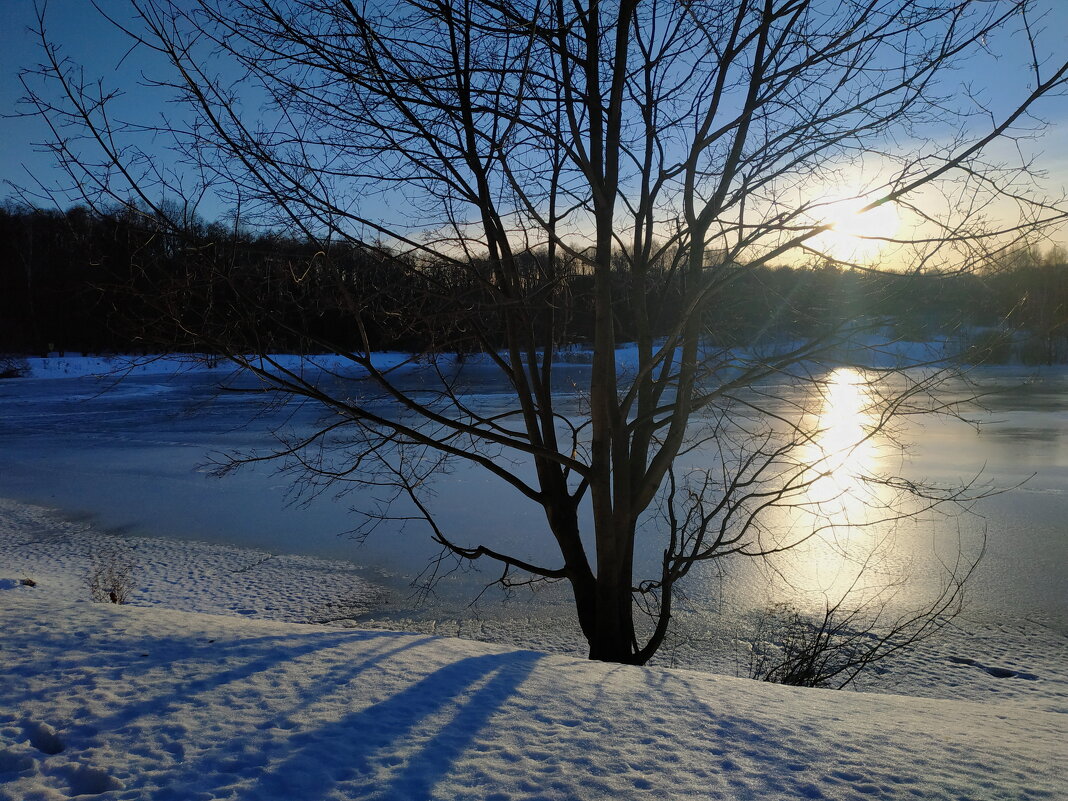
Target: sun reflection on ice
(842,451)
(841,502)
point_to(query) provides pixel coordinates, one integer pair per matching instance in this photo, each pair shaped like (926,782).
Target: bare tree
(651,152)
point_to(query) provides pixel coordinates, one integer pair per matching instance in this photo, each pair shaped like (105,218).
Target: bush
(830,649)
(13,366)
(790,648)
(111,579)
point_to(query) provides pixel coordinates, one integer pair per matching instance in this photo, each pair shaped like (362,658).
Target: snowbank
(160,702)
(984,659)
(126,702)
(78,366)
(190,576)
(877,351)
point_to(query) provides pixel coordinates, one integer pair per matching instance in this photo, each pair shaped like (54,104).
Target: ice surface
(158,700)
(131,454)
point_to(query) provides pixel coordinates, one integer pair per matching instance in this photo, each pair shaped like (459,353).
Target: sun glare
(839,501)
(855,237)
(842,449)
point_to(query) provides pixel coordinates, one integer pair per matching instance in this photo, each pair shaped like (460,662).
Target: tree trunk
(612,639)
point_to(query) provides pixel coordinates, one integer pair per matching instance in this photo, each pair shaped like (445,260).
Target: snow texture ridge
(125,703)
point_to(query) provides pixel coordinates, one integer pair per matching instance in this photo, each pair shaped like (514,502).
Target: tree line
(81,281)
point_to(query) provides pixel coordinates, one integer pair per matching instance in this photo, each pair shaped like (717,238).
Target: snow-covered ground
(58,365)
(158,700)
(883,351)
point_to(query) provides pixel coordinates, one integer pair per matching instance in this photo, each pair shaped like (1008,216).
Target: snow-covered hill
(160,702)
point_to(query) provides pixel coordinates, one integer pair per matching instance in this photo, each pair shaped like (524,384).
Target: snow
(158,700)
(61,365)
(190,576)
(879,351)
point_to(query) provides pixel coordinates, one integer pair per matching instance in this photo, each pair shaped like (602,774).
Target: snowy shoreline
(881,350)
(975,658)
(157,700)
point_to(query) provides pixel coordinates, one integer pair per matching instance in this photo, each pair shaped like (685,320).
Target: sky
(80,27)
(90,40)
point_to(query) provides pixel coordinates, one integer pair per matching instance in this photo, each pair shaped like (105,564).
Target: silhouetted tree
(512,162)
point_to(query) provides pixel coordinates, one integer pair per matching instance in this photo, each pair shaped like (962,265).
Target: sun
(855,236)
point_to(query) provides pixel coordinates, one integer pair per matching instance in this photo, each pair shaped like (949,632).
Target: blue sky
(85,35)
(90,40)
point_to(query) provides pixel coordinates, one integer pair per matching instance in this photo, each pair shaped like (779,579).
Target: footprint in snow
(87,780)
(996,672)
(12,763)
(43,737)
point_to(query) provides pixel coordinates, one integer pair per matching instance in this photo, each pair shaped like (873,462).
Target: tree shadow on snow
(252,656)
(409,741)
(222,760)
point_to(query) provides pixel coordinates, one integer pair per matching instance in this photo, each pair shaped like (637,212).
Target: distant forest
(78,282)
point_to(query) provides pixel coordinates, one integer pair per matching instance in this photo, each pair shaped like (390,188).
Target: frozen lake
(131,460)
